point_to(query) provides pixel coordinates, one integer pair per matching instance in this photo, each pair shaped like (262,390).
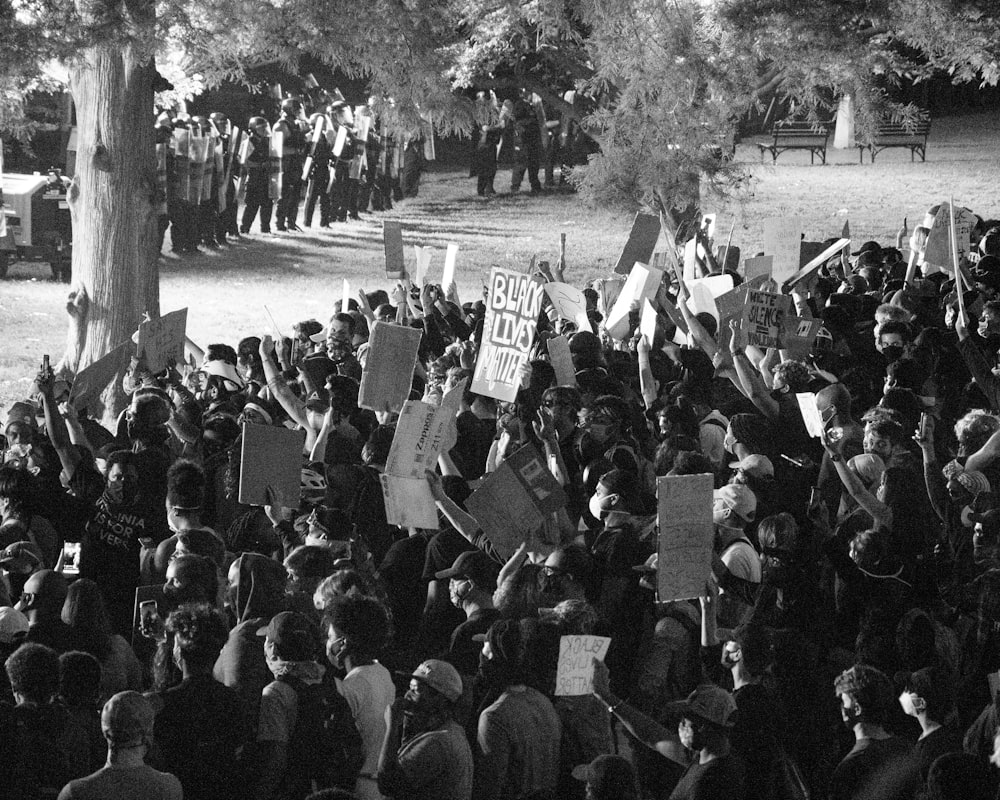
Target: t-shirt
(124,783)
(438,764)
(369,691)
(719,779)
(400,572)
(279,706)
(518,746)
(946,739)
(463,654)
(882,768)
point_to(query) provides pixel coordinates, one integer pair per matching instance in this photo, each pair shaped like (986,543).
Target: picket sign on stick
(817,262)
(388,376)
(640,244)
(959,289)
(392,237)
(729,241)
(569,303)
(783,240)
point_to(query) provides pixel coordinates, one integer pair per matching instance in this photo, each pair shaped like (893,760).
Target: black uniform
(258,196)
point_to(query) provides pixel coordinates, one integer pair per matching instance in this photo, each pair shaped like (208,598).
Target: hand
(364,306)
(710,596)
(818,513)
(396,710)
(642,346)
(926,442)
(398,294)
(426,297)
(545,428)
(45,381)
(451,292)
(961,326)
(902,232)
(434,484)
(266,348)
(833,448)
(467,358)
(276,513)
(602,681)
(739,339)
(524,374)
(68,411)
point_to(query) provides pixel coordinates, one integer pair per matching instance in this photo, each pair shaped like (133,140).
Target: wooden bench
(797,135)
(897,135)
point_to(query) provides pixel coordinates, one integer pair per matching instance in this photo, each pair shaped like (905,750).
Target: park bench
(797,135)
(897,135)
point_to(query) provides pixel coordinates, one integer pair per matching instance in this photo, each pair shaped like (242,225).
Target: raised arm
(752,383)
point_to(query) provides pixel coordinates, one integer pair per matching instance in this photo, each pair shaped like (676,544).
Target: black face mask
(850,718)
(892,352)
(488,672)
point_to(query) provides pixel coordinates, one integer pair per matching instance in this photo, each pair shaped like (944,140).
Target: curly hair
(870,688)
(794,374)
(975,428)
(363,621)
(199,631)
(33,671)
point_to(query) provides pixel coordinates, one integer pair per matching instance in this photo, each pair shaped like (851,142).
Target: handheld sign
(513,305)
(783,240)
(684,549)
(818,261)
(409,502)
(90,382)
(513,501)
(704,291)
(162,339)
(641,284)
(562,360)
(762,317)
(569,304)
(392,236)
(647,322)
(448,274)
(388,375)
(798,335)
(575,668)
(271,458)
(757,266)
(640,243)
(810,414)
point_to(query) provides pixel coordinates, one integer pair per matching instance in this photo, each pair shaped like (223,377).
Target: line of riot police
(338,158)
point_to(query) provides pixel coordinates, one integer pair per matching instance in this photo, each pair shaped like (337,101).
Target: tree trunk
(115,274)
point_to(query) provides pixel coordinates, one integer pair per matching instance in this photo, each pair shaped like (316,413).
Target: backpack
(325,749)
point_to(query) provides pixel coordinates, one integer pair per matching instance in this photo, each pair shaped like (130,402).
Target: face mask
(691,738)
(596,506)
(487,670)
(892,352)
(906,703)
(728,660)
(459,593)
(850,718)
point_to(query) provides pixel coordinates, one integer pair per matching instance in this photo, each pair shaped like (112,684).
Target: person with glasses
(42,602)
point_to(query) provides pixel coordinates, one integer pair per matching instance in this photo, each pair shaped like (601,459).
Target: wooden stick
(959,289)
(729,241)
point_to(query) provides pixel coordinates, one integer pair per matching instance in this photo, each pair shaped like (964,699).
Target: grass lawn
(300,275)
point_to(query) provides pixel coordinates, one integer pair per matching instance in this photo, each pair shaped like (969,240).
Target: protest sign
(937,251)
(345,297)
(691,260)
(513,501)
(569,303)
(641,284)
(810,414)
(271,458)
(684,549)
(640,244)
(423,256)
(392,237)
(705,290)
(762,317)
(388,375)
(575,668)
(647,322)
(511,316)
(759,265)
(798,335)
(561,360)
(162,339)
(448,274)
(817,261)
(409,502)
(783,240)
(607,290)
(90,382)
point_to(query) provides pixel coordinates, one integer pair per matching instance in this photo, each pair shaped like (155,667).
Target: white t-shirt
(369,692)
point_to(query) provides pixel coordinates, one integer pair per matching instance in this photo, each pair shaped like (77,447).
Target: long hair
(85,613)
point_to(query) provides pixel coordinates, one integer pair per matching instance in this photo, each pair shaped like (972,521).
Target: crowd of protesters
(846,643)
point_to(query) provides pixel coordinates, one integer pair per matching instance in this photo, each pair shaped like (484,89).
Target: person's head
(122,478)
(357,627)
(884,437)
(472,578)
(986,538)
(185,492)
(755,471)
(989,319)
(973,430)
(306,566)
(200,542)
(930,692)
(219,433)
(340,335)
(609,777)
(331,529)
(199,632)
(750,647)
(435,687)
(520,593)
(84,608)
(706,717)
(502,662)
(290,637)
(618,490)
(566,573)
(15,491)
(191,579)
(865,695)
(564,402)
(749,430)
(127,721)
(342,583)
(33,672)
(777,536)
(734,506)
(600,423)
(892,338)
(304,331)
(79,679)
(791,376)
(248,358)
(44,595)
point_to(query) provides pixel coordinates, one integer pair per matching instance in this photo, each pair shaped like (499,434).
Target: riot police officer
(226,224)
(293,149)
(319,174)
(256,169)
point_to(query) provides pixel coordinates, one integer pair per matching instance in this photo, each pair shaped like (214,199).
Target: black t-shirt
(463,654)
(720,779)
(401,574)
(882,768)
(946,739)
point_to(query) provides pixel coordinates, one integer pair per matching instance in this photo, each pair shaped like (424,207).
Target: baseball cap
(12,622)
(126,718)
(21,412)
(319,400)
(608,776)
(474,565)
(709,703)
(440,676)
(293,634)
(21,557)
(756,465)
(739,498)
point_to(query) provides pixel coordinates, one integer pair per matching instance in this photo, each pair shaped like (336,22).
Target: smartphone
(923,424)
(45,363)
(71,558)
(148,615)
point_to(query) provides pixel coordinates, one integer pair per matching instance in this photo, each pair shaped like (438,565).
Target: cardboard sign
(513,305)
(607,290)
(513,501)
(640,244)
(818,261)
(705,290)
(450,259)
(423,257)
(162,339)
(419,436)
(409,502)
(90,382)
(271,457)
(392,237)
(562,360)
(641,284)
(575,668)
(810,414)
(345,297)
(684,548)
(691,260)
(647,322)
(388,375)
(762,317)
(938,248)
(569,304)
(783,240)
(759,265)
(798,335)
